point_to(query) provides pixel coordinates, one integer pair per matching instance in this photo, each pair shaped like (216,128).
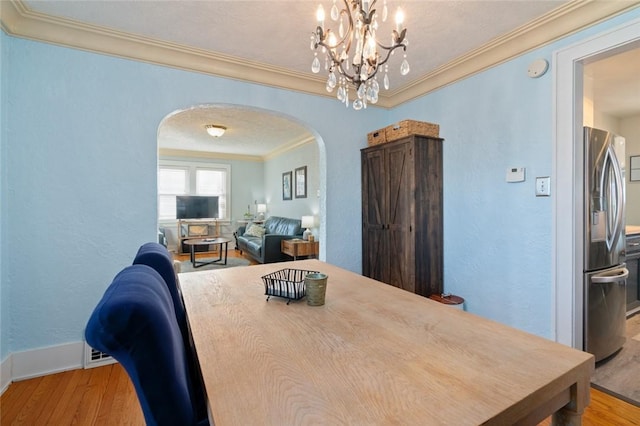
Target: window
(213,182)
(191,178)
(171,182)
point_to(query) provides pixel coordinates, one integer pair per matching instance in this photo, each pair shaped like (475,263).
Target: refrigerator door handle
(612,276)
(614,196)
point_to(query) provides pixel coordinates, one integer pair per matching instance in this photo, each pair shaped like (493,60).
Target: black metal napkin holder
(286,283)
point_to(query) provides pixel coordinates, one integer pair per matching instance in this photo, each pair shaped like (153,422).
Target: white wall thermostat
(515,174)
(537,68)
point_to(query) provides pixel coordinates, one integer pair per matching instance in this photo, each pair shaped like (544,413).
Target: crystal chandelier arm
(389,49)
(320,41)
(322,38)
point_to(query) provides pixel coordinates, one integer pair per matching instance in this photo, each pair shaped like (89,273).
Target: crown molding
(168,152)
(562,21)
(288,147)
(18,20)
(183,153)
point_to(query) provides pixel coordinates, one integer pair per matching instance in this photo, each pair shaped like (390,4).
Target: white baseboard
(5,374)
(43,361)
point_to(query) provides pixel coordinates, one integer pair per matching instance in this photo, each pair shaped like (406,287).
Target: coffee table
(222,243)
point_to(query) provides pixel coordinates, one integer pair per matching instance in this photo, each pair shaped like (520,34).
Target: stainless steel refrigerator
(604,243)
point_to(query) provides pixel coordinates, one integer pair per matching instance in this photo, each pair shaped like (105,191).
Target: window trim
(191,167)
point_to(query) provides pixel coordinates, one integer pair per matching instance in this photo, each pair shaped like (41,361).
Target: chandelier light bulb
(399,19)
(320,16)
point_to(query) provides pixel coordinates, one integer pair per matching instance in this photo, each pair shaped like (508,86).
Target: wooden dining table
(373,354)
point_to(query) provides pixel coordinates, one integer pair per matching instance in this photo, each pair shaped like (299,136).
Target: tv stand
(190,229)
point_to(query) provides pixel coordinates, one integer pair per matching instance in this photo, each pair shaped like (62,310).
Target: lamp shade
(262,208)
(307,221)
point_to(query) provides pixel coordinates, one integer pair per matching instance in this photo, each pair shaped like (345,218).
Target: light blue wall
(5,329)
(79,195)
(498,235)
(306,155)
(81,190)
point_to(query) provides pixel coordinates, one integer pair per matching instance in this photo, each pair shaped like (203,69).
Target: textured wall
(497,235)
(4,282)
(79,179)
(81,189)
(306,155)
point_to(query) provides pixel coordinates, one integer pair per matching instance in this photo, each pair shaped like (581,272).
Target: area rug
(186,266)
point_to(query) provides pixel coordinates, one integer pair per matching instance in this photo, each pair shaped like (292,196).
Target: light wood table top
(373,354)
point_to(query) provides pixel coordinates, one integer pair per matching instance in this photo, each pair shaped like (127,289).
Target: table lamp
(307,222)
(261,209)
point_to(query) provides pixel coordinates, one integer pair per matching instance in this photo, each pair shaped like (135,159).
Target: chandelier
(354,55)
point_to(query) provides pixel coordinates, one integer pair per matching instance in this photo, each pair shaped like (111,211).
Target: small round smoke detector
(537,68)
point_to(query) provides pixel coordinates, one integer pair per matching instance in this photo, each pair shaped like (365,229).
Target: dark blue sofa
(266,249)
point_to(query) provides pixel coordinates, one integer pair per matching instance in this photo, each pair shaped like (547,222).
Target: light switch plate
(543,186)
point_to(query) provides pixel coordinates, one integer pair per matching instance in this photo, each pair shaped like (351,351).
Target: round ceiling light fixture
(215,130)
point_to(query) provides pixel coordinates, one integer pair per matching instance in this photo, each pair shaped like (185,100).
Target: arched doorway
(257,147)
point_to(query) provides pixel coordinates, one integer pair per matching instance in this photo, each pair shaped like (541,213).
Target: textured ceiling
(273,36)
(266,31)
(249,131)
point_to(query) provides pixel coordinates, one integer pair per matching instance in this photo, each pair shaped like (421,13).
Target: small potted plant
(248,214)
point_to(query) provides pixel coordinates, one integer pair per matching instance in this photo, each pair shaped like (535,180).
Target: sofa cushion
(254,245)
(254,230)
(282,226)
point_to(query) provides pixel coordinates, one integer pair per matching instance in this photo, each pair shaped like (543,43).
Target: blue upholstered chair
(135,323)
(158,257)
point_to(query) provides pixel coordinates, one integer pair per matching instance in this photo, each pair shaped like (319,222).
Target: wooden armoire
(402,242)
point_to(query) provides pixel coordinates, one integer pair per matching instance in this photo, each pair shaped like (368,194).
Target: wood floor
(105,396)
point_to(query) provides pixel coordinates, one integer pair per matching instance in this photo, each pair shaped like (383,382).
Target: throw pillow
(255,230)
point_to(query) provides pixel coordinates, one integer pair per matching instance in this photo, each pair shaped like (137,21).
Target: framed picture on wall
(286,186)
(634,162)
(301,182)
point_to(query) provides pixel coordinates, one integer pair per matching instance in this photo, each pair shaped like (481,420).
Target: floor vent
(95,358)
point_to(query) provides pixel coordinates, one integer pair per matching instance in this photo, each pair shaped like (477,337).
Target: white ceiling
(265,40)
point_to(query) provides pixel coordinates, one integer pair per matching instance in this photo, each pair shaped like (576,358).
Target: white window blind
(213,182)
(171,182)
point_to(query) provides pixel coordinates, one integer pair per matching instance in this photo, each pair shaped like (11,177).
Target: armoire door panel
(375,189)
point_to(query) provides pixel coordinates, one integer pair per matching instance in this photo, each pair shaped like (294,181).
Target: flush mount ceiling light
(354,54)
(215,130)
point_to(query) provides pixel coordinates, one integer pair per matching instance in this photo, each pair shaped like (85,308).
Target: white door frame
(567,167)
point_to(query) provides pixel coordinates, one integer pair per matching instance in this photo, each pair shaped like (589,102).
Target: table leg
(226,247)
(565,417)
(193,255)
(219,259)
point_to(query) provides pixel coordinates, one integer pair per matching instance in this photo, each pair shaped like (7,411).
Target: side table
(296,248)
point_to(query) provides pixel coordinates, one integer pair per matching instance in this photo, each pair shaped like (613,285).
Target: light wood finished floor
(105,396)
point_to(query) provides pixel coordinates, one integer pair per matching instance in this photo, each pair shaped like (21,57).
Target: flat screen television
(196,207)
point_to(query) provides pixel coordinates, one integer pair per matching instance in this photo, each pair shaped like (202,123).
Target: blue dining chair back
(135,323)
(158,257)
